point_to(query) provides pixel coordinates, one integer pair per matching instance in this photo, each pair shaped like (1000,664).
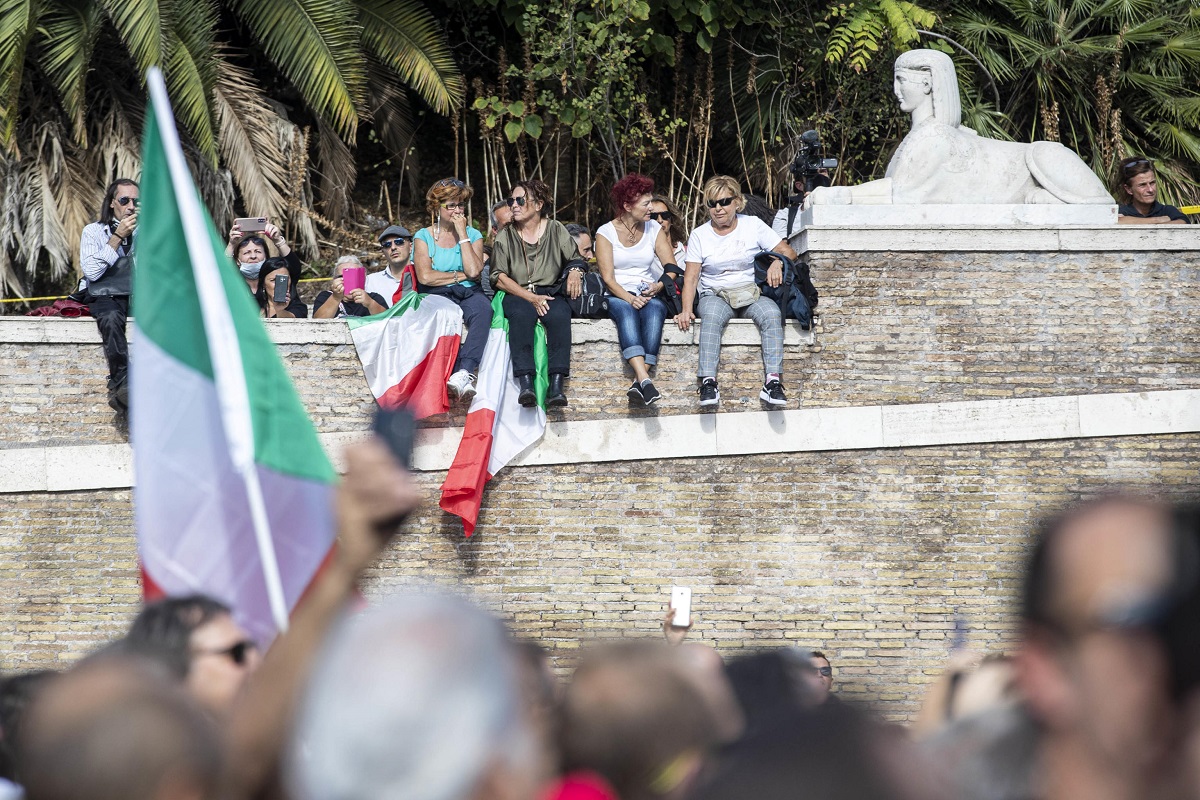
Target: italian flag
(498,428)
(233,492)
(408,351)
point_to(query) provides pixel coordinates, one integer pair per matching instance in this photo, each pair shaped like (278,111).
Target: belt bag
(740,296)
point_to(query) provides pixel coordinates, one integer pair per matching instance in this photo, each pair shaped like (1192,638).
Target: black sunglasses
(1134,164)
(398,241)
(662,216)
(825,672)
(515,201)
(127,200)
(236,652)
(455,182)
(724,201)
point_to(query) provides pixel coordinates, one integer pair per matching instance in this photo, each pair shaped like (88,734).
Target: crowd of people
(652,271)
(424,695)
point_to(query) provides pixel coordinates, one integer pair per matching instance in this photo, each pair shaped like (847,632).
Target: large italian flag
(498,428)
(233,493)
(407,352)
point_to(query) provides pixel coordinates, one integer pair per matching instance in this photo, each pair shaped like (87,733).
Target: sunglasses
(1134,164)
(455,182)
(724,201)
(515,201)
(399,241)
(453,206)
(235,653)
(127,200)
(825,672)
(662,216)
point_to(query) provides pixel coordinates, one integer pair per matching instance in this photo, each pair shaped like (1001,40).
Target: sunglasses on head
(515,201)
(1134,164)
(455,182)
(235,652)
(724,201)
(397,242)
(127,200)
(661,216)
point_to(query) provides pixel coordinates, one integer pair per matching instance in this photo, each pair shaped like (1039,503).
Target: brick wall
(865,554)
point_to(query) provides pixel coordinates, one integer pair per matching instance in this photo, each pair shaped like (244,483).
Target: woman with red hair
(628,250)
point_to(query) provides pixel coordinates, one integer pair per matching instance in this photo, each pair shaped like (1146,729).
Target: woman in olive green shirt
(528,260)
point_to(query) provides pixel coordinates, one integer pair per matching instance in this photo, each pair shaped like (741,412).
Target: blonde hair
(718,184)
(447,190)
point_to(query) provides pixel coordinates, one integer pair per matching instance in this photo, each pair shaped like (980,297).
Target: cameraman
(809,169)
(102,245)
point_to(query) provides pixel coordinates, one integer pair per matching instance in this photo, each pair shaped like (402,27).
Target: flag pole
(228,371)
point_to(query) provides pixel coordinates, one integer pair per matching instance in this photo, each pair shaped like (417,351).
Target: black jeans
(521,319)
(110,314)
(477,315)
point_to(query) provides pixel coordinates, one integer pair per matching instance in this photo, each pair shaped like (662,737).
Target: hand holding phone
(249,225)
(681,601)
(280,290)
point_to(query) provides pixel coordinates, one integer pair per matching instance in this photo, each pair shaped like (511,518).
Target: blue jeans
(638,330)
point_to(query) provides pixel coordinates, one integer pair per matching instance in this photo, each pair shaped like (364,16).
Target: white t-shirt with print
(633,265)
(728,261)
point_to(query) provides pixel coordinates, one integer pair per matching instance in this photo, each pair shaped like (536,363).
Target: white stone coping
(971,214)
(82,330)
(84,467)
(997,238)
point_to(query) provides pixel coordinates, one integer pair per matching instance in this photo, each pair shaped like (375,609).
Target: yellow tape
(1190,209)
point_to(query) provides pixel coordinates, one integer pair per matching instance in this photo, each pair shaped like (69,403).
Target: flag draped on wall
(233,494)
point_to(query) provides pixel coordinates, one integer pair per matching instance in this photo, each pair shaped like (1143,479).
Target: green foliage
(864,29)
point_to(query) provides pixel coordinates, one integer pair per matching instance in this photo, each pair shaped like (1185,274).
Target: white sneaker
(462,385)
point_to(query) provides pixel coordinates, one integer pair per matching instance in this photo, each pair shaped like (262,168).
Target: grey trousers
(716,314)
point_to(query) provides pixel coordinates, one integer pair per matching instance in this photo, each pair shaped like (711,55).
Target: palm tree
(1108,78)
(72,100)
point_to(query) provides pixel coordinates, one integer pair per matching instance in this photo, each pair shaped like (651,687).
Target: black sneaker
(709,396)
(635,393)
(650,395)
(772,394)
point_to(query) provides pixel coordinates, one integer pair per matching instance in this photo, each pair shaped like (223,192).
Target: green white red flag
(498,428)
(408,351)
(233,492)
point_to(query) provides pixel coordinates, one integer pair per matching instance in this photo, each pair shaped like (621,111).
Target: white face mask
(250,270)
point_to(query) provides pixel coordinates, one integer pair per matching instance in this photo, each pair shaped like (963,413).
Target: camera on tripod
(810,160)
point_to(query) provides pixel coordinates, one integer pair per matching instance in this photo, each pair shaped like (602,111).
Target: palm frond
(10,224)
(190,70)
(391,115)
(249,142)
(315,45)
(337,170)
(69,32)
(140,26)
(18,21)
(405,37)
(41,226)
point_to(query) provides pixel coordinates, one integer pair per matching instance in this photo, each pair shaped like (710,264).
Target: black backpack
(796,295)
(591,303)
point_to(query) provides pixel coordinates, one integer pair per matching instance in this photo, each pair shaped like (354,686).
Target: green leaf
(567,116)
(704,41)
(517,109)
(191,72)
(141,28)
(533,125)
(581,128)
(68,39)
(512,129)
(18,21)
(315,44)
(407,38)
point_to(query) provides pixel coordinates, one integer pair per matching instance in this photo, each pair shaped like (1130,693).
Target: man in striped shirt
(101,245)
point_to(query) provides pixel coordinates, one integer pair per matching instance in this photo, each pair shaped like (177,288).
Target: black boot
(527,397)
(555,397)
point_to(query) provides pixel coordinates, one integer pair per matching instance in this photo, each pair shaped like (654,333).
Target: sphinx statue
(941,161)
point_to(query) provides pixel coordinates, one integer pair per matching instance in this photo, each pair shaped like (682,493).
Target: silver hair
(412,700)
(347,259)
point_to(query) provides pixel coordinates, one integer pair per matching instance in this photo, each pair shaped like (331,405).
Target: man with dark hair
(821,678)
(197,638)
(104,250)
(1092,666)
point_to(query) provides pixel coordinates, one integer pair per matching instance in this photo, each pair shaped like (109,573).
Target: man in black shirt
(1141,186)
(335,303)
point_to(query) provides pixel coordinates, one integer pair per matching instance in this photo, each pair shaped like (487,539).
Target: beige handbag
(740,296)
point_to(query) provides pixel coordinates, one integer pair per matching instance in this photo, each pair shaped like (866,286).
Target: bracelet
(576,268)
(460,241)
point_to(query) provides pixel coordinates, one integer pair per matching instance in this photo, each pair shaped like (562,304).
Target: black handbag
(117,280)
(796,295)
(592,302)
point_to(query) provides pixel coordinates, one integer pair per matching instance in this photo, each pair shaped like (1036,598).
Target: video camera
(809,161)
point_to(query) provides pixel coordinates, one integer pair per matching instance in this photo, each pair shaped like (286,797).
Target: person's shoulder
(1169,211)
(1127,211)
(321,298)
(473,234)
(608,231)
(425,235)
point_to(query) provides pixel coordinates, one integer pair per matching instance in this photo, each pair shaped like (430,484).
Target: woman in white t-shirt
(627,249)
(720,266)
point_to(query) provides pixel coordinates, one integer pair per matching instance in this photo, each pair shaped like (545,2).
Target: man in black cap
(396,242)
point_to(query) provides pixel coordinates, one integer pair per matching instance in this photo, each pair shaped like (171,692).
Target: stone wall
(867,553)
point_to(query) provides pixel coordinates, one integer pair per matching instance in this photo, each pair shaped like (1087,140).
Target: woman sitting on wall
(1140,185)
(626,250)
(720,267)
(290,306)
(448,258)
(536,263)
(666,213)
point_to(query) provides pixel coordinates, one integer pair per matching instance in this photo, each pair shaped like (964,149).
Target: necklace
(632,235)
(525,245)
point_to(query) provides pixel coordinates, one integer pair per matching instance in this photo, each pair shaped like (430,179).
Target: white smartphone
(681,601)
